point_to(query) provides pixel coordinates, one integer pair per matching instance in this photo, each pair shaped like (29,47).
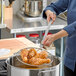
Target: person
(50,12)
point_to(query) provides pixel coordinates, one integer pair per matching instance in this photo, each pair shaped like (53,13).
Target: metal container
(16,68)
(33,7)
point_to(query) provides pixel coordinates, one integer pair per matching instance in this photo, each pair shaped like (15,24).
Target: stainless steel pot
(33,7)
(16,68)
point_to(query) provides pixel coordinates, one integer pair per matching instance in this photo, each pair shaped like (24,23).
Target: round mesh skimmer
(21,54)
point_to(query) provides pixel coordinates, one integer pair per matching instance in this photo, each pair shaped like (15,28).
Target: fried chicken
(43,55)
(24,54)
(32,53)
(32,57)
(38,61)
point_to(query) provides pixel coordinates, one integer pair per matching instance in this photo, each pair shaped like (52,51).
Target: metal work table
(21,26)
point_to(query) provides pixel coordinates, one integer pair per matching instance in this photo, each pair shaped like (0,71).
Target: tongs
(46,32)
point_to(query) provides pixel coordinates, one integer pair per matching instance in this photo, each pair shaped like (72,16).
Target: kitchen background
(16,7)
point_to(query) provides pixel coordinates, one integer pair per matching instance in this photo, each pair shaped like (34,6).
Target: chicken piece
(24,54)
(38,61)
(32,53)
(32,57)
(42,55)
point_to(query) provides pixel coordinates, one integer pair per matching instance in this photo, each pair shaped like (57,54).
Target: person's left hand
(48,40)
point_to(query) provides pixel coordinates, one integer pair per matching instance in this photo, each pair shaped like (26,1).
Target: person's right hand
(50,15)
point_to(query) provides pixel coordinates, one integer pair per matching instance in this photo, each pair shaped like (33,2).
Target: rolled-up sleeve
(70,29)
(57,7)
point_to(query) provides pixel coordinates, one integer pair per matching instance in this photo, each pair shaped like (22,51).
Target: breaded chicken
(32,57)
(38,61)
(32,53)
(43,55)
(24,54)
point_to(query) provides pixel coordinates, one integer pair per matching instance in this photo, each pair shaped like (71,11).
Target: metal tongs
(46,32)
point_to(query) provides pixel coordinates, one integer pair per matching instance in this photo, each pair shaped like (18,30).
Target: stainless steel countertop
(21,26)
